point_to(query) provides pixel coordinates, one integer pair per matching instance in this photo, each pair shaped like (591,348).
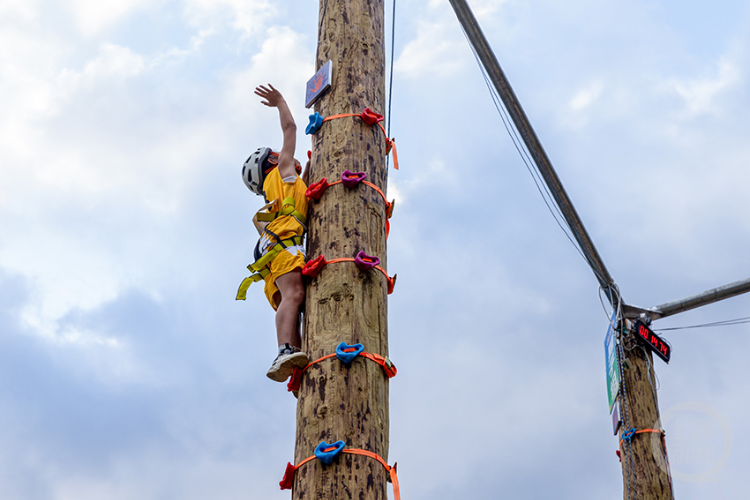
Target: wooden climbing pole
(339,402)
(643,456)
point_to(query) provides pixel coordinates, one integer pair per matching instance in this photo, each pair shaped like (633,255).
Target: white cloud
(700,94)
(587,96)
(436,50)
(113,61)
(93,18)
(247,16)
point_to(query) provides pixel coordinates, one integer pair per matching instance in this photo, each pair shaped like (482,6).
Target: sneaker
(288,359)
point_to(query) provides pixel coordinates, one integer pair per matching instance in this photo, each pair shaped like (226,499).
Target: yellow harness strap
(260,266)
(242,292)
(287,208)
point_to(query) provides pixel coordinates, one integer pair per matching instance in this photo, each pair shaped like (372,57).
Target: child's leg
(292,291)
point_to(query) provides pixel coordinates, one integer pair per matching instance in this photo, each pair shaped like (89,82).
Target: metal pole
(511,103)
(701,299)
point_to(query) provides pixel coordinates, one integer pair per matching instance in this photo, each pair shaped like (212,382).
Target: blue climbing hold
(627,436)
(316,121)
(327,452)
(347,353)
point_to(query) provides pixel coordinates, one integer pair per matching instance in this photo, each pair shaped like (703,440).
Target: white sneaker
(288,359)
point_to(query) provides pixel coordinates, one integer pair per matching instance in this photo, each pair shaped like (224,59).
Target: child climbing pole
(281,223)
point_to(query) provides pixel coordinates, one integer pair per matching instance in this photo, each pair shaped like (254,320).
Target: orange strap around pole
(340,115)
(391,470)
(390,143)
(388,211)
(286,482)
(379,268)
(642,431)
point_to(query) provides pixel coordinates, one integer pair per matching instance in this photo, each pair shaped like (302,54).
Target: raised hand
(272,97)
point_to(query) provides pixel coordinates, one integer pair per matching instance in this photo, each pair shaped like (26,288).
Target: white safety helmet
(252,170)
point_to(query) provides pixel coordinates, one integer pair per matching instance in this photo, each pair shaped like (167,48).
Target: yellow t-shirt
(274,188)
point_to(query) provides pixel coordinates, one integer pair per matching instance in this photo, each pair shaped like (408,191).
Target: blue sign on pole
(318,84)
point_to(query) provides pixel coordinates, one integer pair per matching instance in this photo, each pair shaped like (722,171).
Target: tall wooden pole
(645,469)
(344,304)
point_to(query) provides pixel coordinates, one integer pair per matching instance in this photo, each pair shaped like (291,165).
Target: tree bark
(344,304)
(647,473)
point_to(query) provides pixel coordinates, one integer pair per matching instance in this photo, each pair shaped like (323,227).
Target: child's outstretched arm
(274,99)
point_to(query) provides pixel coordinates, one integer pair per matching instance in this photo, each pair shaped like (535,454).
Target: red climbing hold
(316,190)
(295,380)
(370,117)
(312,268)
(391,283)
(288,481)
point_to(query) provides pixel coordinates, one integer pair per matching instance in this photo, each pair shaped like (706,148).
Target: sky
(128,370)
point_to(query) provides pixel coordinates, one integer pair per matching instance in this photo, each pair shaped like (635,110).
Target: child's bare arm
(274,99)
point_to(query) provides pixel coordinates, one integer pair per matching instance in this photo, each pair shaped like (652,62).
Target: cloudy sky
(128,370)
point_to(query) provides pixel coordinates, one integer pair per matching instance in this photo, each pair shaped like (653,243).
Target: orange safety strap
(391,281)
(388,211)
(390,144)
(386,364)
(645,430)
(286,482)
(315,191)
(340,115)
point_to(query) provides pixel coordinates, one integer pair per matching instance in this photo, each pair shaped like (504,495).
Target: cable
(390,79)
(728,322)
(322,16)
(528,162)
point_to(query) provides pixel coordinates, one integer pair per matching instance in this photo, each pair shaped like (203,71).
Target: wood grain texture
(649,468)
(344,304)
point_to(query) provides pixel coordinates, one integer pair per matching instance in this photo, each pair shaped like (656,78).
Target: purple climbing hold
(351,179)
(365,262)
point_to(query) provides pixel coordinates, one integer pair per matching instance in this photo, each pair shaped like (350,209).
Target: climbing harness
(346,353)
(261,267)
(287,208)
(368,116)
(327,453)
(363,261)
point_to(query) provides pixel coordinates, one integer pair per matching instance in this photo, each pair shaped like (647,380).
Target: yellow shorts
(283,263)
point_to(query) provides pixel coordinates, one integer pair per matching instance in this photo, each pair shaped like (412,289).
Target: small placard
(318,84)
(616,418)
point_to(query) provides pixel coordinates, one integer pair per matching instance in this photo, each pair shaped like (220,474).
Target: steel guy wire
(728,322)
(528,161)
